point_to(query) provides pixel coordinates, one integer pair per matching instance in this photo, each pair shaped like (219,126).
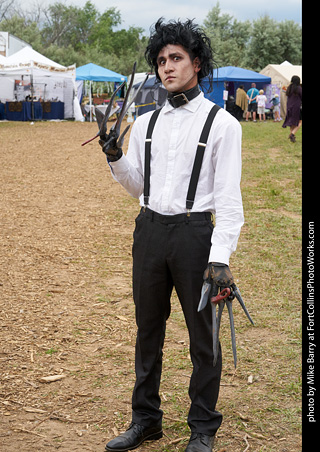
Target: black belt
(178,218)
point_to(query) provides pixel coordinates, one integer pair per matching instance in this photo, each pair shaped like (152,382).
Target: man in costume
(184,164)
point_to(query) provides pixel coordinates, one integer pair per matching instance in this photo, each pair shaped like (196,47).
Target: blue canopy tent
(230,78)
(95,73)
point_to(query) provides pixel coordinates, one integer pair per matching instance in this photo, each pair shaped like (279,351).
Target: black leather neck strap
(179,99)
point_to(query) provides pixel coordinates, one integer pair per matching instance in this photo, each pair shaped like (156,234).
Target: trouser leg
(193,245)
(167,255)
(152,288)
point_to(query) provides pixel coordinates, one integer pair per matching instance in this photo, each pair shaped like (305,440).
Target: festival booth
(226,81)
(281,75)
(151,97)
(33,87)
(94,73)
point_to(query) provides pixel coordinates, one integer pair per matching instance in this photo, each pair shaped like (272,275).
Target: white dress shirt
(174,143)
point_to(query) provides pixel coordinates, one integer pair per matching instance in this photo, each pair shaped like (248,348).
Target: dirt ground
(67,311)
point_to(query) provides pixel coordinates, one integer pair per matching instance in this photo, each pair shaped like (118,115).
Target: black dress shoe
(134,437)
(200,443)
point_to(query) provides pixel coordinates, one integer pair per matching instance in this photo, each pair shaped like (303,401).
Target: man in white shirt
(174,238)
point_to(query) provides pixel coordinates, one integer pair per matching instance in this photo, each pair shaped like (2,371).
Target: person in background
(241,102)
(261,101)
(293,117)
(252,102)
(276,108)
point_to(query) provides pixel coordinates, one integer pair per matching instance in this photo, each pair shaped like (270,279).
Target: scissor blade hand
(233,333)
(216,329)
(205,292)
(239,298)
(103,124)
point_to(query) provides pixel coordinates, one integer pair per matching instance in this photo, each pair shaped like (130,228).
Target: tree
(6,9)
(102,31)
(264,47)
(60,27)
(273,43)
(229,37)
(24,29)
(290,35)
(252,45)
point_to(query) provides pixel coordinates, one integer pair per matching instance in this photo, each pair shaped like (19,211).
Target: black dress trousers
(172,251)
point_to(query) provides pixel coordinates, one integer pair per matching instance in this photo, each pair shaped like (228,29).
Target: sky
(144,13)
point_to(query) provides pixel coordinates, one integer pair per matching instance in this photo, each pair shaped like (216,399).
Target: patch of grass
(51,351)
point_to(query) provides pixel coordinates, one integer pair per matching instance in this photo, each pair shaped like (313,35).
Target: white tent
(281,75)
(27,73)
(28,54)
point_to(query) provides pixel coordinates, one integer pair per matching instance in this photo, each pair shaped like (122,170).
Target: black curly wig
(190,37)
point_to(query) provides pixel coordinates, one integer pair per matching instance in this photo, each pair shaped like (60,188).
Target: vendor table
(30,111)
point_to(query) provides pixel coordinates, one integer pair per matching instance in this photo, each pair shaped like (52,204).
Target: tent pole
(90,98)
(32,94)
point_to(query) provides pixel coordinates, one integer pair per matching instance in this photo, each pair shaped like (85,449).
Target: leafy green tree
(87,18)
(274,42)
(290,35)
(60,27)
(229,37)
(265,46)
(102,31)
(23,28)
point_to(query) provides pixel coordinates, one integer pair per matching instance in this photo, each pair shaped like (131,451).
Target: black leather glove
(109,147)
(219,276)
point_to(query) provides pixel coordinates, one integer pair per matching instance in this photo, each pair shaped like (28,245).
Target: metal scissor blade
(102,122)
(121,138)
(205,292)
(216,328)
(239,298)
(233,334)
(214,333)
(126,104)
(103,127)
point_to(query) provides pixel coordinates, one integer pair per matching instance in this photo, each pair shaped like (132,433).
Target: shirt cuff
(119,166)
(219,254)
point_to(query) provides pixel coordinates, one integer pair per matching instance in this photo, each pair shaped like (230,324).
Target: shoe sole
(152,437)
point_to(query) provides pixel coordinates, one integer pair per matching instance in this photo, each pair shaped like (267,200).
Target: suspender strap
(147,156)
(199,157)
(197,161)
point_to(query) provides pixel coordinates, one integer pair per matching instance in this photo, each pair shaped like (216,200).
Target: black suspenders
(199,157)
(197,161)
(147,156)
